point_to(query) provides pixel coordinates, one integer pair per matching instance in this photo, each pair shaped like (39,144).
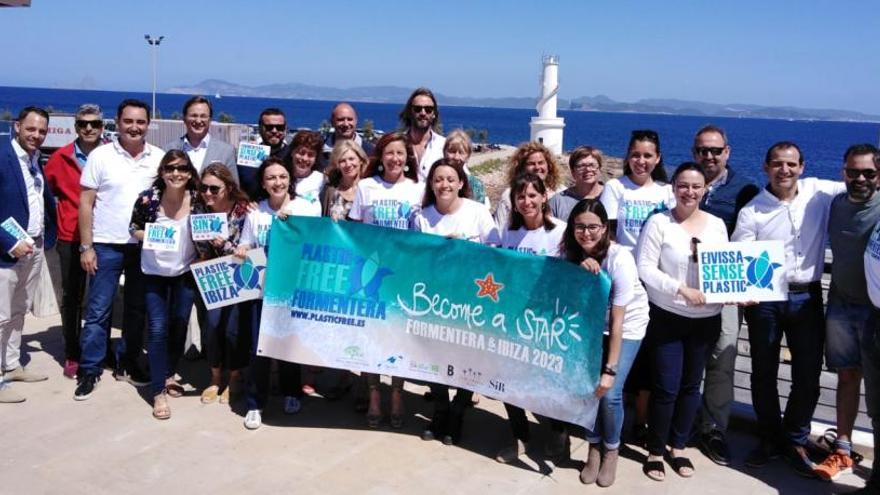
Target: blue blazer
(14,203)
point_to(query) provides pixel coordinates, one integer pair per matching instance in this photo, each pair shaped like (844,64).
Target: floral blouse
(146,208)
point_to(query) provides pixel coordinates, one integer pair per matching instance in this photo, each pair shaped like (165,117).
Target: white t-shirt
(170,263)
(117,179)
(472,222)
(309,189)
(538,241)
(255,232)
(627,290)
(872,266)
(631,205)
(384,204)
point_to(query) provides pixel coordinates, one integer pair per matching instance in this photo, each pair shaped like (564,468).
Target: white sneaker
(292,405)
(253,419)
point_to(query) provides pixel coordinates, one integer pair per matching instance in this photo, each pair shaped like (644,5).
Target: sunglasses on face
(274,127)
(705,151)
(854,173)
(215,190)
(183,169)
(428,109)
(94,124)
(694,242)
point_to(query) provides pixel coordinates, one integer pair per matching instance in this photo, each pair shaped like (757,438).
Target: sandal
(160,407)
(681,463)
(173,388)
(654,470)
(209,395)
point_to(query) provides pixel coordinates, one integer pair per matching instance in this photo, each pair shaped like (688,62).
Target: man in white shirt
(795,211)
(27,203)
(198,144)
(114,175)
(420,119)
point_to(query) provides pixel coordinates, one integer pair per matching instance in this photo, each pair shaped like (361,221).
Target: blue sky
(819,54)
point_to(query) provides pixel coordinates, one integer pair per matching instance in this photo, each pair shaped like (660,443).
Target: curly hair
(518,164)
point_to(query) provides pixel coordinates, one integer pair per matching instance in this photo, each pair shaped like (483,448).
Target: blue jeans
(113,261)
(609,420)
(227,339)
(801,320)
(169,303)
(679,348)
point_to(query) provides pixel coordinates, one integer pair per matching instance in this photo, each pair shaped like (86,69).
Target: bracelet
(609,370)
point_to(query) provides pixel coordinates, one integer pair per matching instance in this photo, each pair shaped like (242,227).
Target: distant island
(600,103)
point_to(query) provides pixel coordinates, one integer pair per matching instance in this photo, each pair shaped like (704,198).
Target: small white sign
(742,271)
(252,155)
(230,280)
(15,230)
(159,237)
(207,226)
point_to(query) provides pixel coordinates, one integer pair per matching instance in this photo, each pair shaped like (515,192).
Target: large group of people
(666,350)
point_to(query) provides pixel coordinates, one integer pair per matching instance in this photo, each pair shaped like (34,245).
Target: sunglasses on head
(183,169)
(428,109)
(274,127)
(94,124)
(641,134)
(706,150)
(203,188)
(854,173)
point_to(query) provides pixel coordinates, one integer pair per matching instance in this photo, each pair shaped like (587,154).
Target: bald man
(343,118)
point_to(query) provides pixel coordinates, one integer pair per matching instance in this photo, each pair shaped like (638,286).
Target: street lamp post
(154,42)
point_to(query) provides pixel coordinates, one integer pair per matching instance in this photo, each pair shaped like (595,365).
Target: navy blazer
(14,203)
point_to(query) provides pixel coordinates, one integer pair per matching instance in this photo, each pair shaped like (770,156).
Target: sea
(823,143)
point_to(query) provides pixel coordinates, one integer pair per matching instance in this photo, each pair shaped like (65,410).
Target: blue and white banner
(520,328)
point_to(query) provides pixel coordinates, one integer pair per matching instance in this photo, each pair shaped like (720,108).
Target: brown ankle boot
(591,468)
(609,468)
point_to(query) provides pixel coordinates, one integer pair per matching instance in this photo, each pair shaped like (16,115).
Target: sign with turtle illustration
(742,271)
(207,226)
(230,280)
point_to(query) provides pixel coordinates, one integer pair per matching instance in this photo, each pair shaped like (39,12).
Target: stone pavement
(111,444)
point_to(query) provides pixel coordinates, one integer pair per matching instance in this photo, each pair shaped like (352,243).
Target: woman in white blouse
(683,327)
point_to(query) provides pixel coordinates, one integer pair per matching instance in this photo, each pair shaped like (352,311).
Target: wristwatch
(84,247)
(609,370)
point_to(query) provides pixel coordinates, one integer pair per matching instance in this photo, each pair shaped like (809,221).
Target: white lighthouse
(547,127)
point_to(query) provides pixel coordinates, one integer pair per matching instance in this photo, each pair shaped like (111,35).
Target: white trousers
(18,283)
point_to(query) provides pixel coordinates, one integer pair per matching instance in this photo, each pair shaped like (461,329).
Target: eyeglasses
(94,124)
(854,173)
(274,127)
(586,166)
(428,109)
(706,150)
(592,228)
(694,243)
(183,169)
(215,190)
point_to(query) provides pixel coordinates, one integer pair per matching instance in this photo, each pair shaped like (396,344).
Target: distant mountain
(599,103)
